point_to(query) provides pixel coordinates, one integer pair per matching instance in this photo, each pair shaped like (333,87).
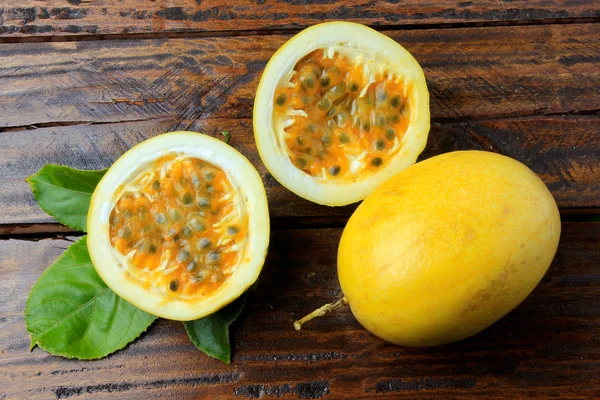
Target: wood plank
(471,73)
(564,151)
(86,17)
(548,347)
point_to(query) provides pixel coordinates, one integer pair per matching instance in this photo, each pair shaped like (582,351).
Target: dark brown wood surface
(29,18)
(548,347)
(530,92)
(81,81)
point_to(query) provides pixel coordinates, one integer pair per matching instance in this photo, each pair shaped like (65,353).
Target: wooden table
(81,81)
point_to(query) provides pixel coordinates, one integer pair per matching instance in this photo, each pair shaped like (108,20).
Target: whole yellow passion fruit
(179,225)
(340,108)
(447,247)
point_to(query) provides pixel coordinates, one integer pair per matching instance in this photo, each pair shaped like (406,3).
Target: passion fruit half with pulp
(340,109)
(179,225)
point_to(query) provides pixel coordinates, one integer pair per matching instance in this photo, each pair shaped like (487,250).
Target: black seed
(213,256)
(114,219)
(311,128)
(183,256)
(210,189)
(353,86)
(326,139)
(335,170)
(325,81)
(338,90)
(156,185)
(186,231)
(209,176)
(191,266)
(379,120)
(187,199)
(152,249)
(232,230)
(324,103)
(160,218)
(197,225)
(395,101)
(366,127)
(309,81)
(395,118)
(300,162)
(308,150)
(376,162)
(175,214)
(344,138)
(380,144)
(124,233)
(196,181)
(306,99)
(174,285)
(203,202)
(203,243)
(281,99)
(390,134)
(300,140)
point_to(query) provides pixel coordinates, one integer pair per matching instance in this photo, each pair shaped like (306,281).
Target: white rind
(242,174)
(371,43)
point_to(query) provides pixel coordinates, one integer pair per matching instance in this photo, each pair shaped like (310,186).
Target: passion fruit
(340,108)
(446,248)
(179,225)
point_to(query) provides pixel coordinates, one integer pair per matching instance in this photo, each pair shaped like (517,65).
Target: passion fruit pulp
(179,225)
(340,108)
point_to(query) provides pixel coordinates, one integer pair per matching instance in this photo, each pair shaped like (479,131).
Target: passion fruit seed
(334,86)
(156,185)
(186,232)
(169,233)
(203,202)
(390,134)
(187,199)
(301,162)
(124,233)
(213,256)
(197,225)
(334,170)
(281,99)
(376,162)
(203,243)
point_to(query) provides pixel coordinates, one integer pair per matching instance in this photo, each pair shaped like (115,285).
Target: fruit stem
(319,312)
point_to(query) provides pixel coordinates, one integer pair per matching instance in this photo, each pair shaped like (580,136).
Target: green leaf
(227,136)
(72,313)
(65,193)
(211,334)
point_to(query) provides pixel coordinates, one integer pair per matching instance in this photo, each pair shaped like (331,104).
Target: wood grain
(529,92)
(547,348)
(88,17)
(564,151)
(471,73)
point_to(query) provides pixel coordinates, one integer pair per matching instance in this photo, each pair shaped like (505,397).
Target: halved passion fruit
(179,225)
(340,108)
